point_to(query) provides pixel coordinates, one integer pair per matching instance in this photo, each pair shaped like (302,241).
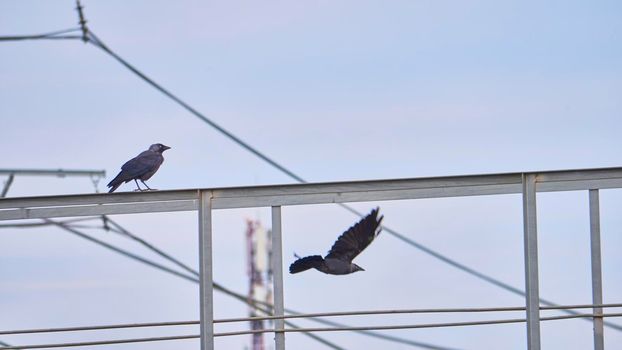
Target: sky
(334,91)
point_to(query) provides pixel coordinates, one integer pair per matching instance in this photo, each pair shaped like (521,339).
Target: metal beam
(277,280)
(297,194)
(206,292)
(597,281)
(53,172)
(531,262)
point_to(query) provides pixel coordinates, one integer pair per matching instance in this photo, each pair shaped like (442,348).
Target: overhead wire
(437,255)
(176,273)
(309,315)
(259,304)
(470,270)
(93,39)
(98,43)
(424,325)
(307,330)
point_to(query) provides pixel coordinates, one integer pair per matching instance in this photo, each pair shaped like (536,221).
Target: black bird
(142,167)
(338,261)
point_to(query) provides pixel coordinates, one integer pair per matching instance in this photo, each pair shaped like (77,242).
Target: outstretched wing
(356,238)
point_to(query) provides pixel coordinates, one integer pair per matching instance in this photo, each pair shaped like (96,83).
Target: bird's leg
(149,188)
(138,189)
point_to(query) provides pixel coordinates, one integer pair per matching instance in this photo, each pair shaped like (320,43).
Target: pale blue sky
(334,91)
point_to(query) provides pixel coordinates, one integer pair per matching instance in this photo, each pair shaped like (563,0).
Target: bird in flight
(351,243)
(142,167)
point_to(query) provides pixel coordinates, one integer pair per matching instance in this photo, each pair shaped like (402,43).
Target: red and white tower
(259,252)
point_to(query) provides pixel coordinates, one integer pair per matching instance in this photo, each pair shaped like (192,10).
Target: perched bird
(338,261)
(142,167)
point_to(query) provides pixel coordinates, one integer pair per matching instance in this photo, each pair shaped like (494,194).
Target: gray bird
(351,243)
(142,167)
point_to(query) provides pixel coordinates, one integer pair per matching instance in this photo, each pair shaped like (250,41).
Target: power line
(259,305)
(418,311)
(120,229)
(256,303)
(325,314)
(98,43)
(92,38)
(176,273)
(306,330)
(482,276)
(123,252)
(419,326)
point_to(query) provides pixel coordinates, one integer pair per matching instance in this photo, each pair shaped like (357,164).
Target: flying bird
(142,167)
(351,243)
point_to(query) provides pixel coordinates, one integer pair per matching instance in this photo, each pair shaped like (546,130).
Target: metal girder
(298,194)
(54,172)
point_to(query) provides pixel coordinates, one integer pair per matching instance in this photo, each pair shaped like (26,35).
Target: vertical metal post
(205,271)
(597,282)
(277,271)
(531,261)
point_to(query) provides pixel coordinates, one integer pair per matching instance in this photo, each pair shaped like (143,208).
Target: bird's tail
(115,183)
(114,187)
(303,264)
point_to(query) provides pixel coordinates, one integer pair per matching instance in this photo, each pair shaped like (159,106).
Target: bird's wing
(356,238)
(141,164)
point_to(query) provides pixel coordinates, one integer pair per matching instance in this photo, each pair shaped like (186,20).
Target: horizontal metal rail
(57,172)
(299,194)
(306,330)
(309,315)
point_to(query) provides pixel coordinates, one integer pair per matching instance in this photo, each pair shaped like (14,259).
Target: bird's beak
(164,148)
(362,269)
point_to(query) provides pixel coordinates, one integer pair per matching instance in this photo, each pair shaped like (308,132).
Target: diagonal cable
(92,38)
(98,43)
(178,274)
(257,303)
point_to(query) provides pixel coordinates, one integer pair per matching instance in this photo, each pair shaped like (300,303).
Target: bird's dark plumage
(142,167)
(351,243)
